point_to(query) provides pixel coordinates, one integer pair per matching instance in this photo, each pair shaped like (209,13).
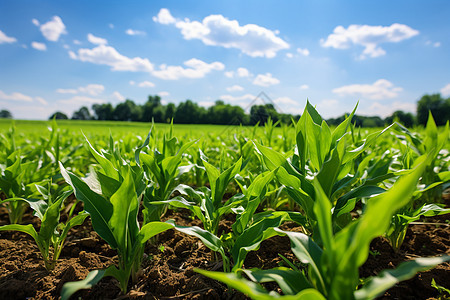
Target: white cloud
(81,100)
(134,32)
(265,80)
(6,39)
(380,89)
(15,97)
(445,91)
(107,55)
(132,82)
(90,89)
(163,94)
(41,100)
(240,72)
(437,44)
(304,87)
(76,42)
(216,30)
(289,55)
(53,29)
(285,101)
(196,69)
(237,98)
(235,88)
(146,84)
(368,36)
(385,110)
(39,46)
(96,40)
(117,96)
(65,46)
(206,103)
(164,17)
(304,52)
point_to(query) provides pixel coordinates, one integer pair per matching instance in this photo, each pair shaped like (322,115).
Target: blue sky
(61,55)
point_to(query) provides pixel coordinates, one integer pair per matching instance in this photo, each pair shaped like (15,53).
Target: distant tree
(152,105)
(439,107)
(170,112)
(127,111)
(261,113)
(225,114)
(103,112)
(189,113)
(5,114)
(58,116)
(407,119)
(82,114)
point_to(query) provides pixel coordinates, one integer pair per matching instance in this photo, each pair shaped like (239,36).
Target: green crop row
(342,186)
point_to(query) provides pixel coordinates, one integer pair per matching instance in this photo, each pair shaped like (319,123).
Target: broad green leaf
(376,286)
(28,229)
(151,229)
(329,172)
(123,221)
(50,221)
(210,240)
(291,282)
(145,144)
(98,207)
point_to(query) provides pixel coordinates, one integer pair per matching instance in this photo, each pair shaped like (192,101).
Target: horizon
(60,56)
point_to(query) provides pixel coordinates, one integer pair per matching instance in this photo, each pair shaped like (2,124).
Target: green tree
(103,112)
(439,107)
(261,113)
(170,112)
(82,114)
(189,113)
(127,111)
(5,114)
(58,116)
(407,119)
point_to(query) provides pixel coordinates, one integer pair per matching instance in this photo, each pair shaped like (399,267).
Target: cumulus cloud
(237,98)
(216,30)
(385,110)
(53,29)
(206,103)
(6,39)
(163,94)
(90,89)
(134,32)
(369,37)
(164,17)
(445,91)
(265,80)
(304,52)
(117,96)
(146,84)
(81,100)
(240,72)
(41,100)
(96,40)
(76,42)
(235,88)
(285,101)
(196,68)
(304,87)
(107,55)
(15,97)
(39,46)
(380,89)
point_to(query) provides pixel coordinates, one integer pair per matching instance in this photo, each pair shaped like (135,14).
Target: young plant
(114,218)
(52,234)
(332,270)
(162,170)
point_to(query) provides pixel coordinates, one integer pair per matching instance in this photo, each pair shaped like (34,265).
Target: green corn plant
(329,157)
(332,269)
(162,170)
(114,218)
(52,234)
(250,228)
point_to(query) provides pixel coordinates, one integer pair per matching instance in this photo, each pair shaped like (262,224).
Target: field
(112,210)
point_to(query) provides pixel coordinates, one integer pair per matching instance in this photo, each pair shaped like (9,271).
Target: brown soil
(168,264)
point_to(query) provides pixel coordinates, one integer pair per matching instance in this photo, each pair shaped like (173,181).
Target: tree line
(189,112)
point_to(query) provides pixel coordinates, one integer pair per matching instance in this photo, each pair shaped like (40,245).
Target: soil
(168,264)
